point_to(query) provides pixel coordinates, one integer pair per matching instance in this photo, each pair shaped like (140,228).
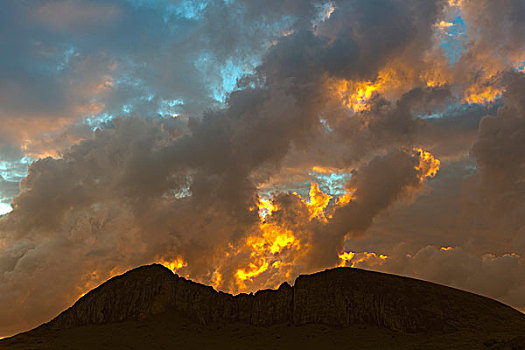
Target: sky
(243,143)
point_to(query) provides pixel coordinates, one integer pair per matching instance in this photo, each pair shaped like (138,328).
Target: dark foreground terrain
(344,308)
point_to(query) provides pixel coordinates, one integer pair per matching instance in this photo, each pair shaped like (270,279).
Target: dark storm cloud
(476,208)
(501,141)
(501,160)
(498,27)
(358,39)
(376,186)
(73,59)
(494,42)
(452,134)
(366,34)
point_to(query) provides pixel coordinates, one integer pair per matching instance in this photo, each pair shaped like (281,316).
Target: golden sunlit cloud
(481,94)
(274,246)
(344,257)
(318,202)
(428,165)
(271,240)
(266,208)
(174,265)
(355,95)
(351,259)
(444,24)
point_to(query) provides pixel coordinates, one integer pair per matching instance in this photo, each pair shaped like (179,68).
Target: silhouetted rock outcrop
(337,297)
(137,294)
(346,296)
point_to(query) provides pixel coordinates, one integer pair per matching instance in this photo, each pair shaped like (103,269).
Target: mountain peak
(345,298)
(336,297)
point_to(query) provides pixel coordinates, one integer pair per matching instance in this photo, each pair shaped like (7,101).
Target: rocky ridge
(337,297)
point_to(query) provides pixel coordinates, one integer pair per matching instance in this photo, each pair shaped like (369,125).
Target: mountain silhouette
(150,307)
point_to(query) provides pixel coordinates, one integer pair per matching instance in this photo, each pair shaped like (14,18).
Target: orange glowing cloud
(253,270)
(481,94)
(174,265)
(444,24)
(355,95)
(274,247)
(270,252)
(318,202)
(428,165)
(390,82)
(351,259)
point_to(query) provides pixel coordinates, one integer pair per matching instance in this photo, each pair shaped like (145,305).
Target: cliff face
(154,289)
(338,297)
(141,292)
(345,296)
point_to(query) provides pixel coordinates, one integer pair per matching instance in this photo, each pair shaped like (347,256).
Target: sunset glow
(242,144)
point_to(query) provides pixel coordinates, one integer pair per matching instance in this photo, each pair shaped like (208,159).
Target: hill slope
(344,307)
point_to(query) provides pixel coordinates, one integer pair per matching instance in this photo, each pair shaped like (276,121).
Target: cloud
(461,269)
(474,206)
(70,15)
